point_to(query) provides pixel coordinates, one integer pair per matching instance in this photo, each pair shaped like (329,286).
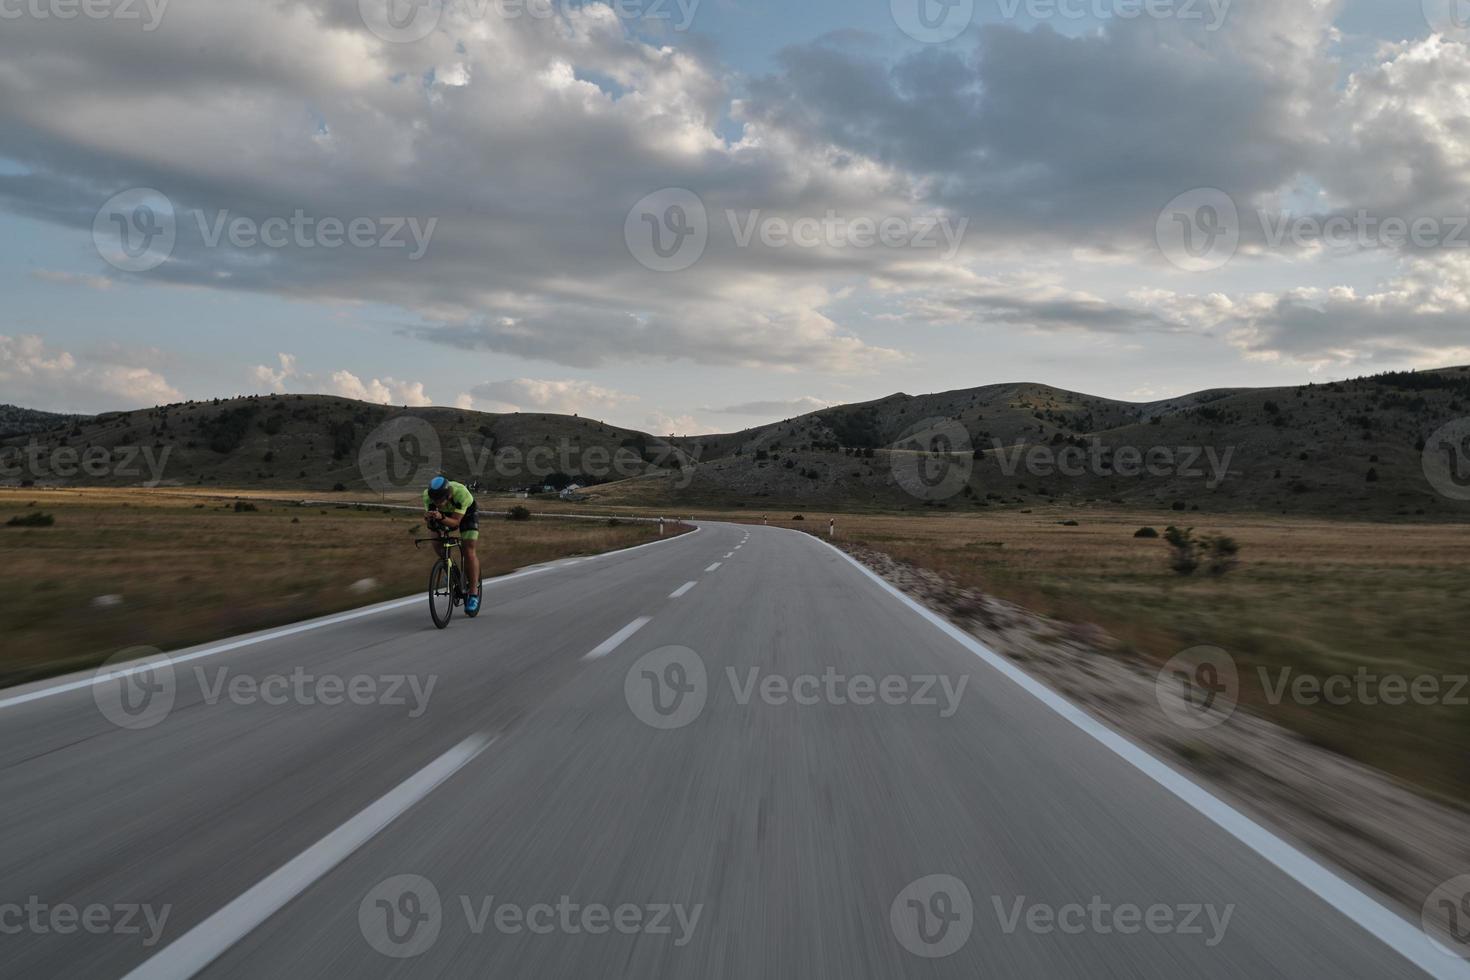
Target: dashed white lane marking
(616,640)
(713,567)
(730,554)
(682,589)
(203,944)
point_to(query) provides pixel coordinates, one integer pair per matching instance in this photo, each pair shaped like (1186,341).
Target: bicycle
(446,581)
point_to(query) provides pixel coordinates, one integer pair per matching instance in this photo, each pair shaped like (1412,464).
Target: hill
(16,421)
(322,443)
(1352,448)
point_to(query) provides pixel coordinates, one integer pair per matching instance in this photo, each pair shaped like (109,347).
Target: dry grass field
(189,568)
(1320,598)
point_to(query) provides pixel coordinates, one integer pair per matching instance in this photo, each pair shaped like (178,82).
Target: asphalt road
(728,754)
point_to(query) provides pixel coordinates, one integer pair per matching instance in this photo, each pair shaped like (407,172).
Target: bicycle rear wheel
(441,594)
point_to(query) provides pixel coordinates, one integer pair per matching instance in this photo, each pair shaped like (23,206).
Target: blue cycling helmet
(438,487)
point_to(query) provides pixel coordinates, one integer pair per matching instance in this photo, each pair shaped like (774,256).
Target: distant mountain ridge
(1351,448)
(16,421)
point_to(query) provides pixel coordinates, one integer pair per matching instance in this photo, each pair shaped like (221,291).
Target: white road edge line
(1389,928)
(203,944)
(616,640)
(713,567)
(90,679)
(682,589)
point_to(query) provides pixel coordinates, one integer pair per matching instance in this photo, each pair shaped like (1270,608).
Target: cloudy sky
(698,215)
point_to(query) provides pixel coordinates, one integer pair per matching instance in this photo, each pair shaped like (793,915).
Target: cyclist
(451,506)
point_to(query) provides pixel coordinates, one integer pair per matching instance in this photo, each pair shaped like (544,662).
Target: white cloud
(36,376)
(387,391)
(778,408)
(538,395)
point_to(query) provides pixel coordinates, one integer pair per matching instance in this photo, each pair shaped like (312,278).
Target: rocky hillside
(15,421)
(1350,448)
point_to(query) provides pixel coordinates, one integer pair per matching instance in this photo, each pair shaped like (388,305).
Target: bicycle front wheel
(441,594)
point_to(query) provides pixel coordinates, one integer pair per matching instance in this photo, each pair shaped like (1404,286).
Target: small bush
(1189,552)
(36,519)
(241,506)
(1224,554)
(1184,558)
(613,522)
(1146,532)
(798,517)
(518,513)
(339,488)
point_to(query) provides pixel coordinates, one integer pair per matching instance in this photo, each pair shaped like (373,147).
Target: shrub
(1190,552)
(1224,554)
(339,488)
(241,506)
(518,513)
(798,517)
(1184,558)
(36,519)
(613,522)
(1146,532)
